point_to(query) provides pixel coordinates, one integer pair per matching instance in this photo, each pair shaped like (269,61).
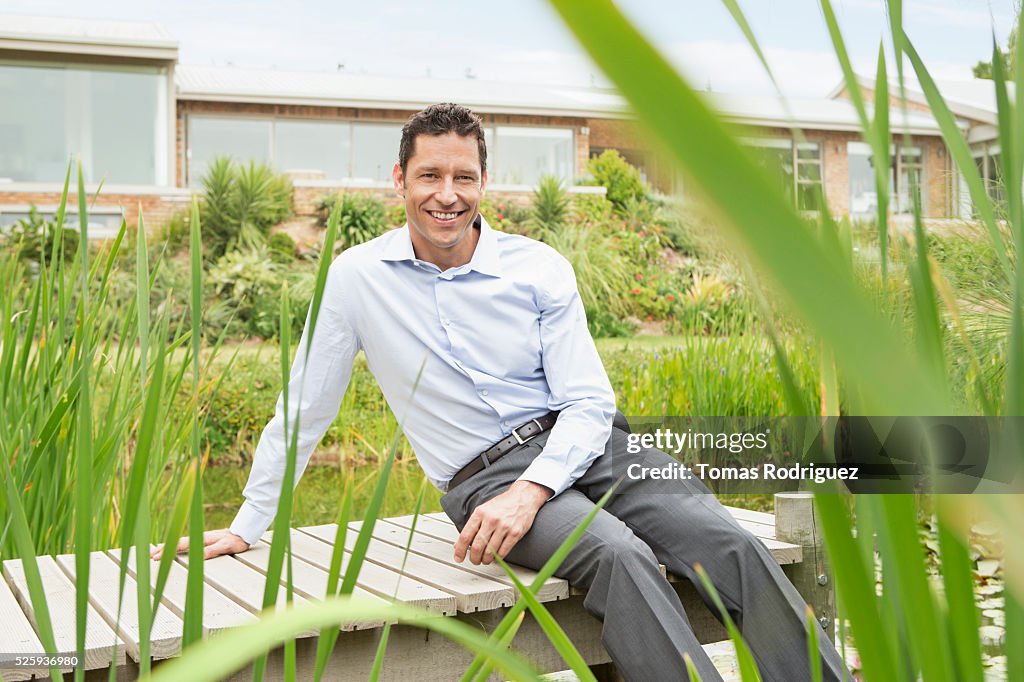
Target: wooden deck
(234,589)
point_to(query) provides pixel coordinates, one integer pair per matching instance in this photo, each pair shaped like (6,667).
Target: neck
(453,257)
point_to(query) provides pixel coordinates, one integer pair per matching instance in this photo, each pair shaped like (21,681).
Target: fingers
(510,540)
(466,536)
(483,536)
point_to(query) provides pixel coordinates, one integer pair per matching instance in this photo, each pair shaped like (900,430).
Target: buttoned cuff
(548,474)
(250,524)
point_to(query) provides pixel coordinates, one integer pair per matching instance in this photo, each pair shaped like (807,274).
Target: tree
(984,69)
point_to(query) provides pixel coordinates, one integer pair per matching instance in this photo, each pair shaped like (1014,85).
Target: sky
(525,41)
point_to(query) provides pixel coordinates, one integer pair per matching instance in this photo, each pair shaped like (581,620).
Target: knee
(627,551)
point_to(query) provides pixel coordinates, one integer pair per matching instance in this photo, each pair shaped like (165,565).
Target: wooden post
(797,522)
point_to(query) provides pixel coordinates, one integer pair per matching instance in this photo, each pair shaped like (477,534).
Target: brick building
(115,95)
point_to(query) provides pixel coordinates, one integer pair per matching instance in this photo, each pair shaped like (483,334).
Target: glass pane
(909,190)
(807,196)
(911,155)
(808,150)
(778,163)
(313,146)
(995,178)
(107,116)
(863,197)
(809,171)
(243,139)
(524,155)
(374,151)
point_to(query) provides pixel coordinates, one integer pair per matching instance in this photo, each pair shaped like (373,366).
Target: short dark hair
(441,119)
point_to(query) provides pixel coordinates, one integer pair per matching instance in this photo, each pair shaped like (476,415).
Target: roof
(974,98)
(146,40)
(235,84)
(813,114)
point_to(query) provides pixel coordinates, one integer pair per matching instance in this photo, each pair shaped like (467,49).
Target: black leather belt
(520,435)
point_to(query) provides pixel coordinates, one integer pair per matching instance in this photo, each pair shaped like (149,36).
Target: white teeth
(443,216)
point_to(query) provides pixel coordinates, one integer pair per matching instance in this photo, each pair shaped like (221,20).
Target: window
(240,138)
(797,168)
(374,151)
(909,179)
(523,155)
(808,176)
(863,194)
(313,146)
(363,153)
(113,118)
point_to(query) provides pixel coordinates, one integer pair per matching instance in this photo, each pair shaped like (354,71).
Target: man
(510,370)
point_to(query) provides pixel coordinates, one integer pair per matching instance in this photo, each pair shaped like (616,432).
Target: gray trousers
(678,523)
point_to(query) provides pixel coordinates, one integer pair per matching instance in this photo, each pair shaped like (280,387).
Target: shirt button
(447,323)
(505,423)
(483,392)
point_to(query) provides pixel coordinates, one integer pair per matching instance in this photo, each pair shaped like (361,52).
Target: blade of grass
(956,143)
(958,580)
(856,588)
(27,551)
(83,437)
(744,658)
(1009,126)
(700,142)
(556,635)
(217,658)
(192,630)
(328,637)
(812,646)
(545,572)
(382,645)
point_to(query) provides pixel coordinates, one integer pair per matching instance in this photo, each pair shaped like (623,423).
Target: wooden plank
(307,581)
(102,646)
(472,592)
(373,578)
(104,576)
(395,532)
(765,518)
(16,637)
(219,612)
(242,584)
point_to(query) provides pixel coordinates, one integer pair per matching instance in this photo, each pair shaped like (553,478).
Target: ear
(483,182)
(399,178)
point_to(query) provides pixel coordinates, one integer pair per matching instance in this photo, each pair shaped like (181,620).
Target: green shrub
(550,205)
(33,238)
(505,216)
(246,295)
(281,247)
(362,216)
(623,181)
(241,203)
(174,234)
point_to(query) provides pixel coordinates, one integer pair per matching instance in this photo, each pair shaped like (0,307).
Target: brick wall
(156,208)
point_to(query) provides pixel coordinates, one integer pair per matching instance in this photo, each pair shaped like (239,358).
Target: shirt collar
(485,257)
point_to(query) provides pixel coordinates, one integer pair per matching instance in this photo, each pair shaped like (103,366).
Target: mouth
(445,218)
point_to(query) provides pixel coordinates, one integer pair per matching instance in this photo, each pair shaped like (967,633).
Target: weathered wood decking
(430,579)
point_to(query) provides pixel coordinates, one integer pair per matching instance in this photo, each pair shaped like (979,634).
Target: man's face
(442,186)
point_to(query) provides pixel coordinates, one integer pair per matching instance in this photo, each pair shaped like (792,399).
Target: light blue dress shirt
(501,340)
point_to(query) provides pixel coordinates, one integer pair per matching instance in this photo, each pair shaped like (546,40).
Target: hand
(216,543)
(498,524)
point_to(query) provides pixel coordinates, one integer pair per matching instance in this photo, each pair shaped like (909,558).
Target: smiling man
(513,417)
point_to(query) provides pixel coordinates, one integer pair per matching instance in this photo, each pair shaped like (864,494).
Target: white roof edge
(958,107)
(355,103)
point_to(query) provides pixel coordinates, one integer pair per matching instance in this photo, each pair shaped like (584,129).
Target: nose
(446,192)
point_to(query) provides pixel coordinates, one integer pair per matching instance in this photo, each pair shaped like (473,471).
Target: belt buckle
(520,439)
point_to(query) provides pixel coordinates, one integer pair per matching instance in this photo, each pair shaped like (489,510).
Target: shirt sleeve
(578,385)
(315,389)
